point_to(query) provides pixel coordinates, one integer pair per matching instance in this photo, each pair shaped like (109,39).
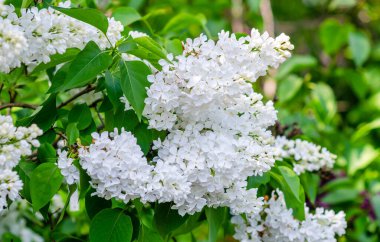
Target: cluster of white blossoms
(14,223)
(276,223)
(118,169)
(15,142)
(37,34)
(12,40)
(116,165)
(218,126)
(308,156)
(210,83)
(68,170)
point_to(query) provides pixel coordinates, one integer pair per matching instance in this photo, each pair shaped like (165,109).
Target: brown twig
(267,15)
(20,105)
(87,90)
(237,16)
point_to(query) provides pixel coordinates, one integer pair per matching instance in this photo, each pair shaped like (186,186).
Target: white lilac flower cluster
(68,170)
(37,34)
(15,142)
(308,156)
(210,83)
(13,222)
(117,166)
(118,169)
(276,223)
(218,126)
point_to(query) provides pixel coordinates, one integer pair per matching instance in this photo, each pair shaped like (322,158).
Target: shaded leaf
(289,87)
(57,59)
(126,15)
(340,196)
(360,47)
(46,153)
(294,64)
(91,16)
(215,219)
(45,182)
(134,83)
(151,46)
(310,183)
(86,66)
(148,235)
(72,133)
(173,220)
(111,225)
(113,88)
(44,116)
(95,204)
(80,114)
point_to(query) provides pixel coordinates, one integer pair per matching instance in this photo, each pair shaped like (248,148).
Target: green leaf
(44,116)
(287,181)
(334,4)
(25,170)
(91,16)
(361,157)
(126,15)
(215,219)
(328,33)
(356,79)
(15,3)
(340,196)
(256,181)
(111,225)
(191,223)
(375,200)
(80,114)
(310,183)
(57,59)
(337,183)
(143,54)
(9,237)
(90,62)
(289,87)
(365,129)
(121,119)
(148,235)
(95,204)
(150,46)
(106,105)
(323,101)
(46,153)
(134,83)
(58,80)
(174,46)
(360,47)
(45,182)
(113,89)
(145,137)
(72,133)
(184,21)
(85,135)
(26,3)
(173,220)
(291,179)
(84,182)
(294,64)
